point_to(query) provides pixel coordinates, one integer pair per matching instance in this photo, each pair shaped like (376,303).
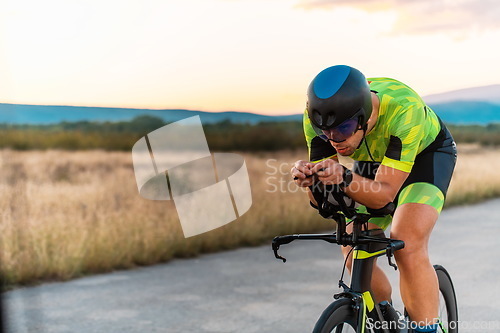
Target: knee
(415,250)
(412,258)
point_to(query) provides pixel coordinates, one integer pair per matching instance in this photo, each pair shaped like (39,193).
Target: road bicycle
(354,309)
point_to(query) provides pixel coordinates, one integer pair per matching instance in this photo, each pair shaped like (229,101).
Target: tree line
(221,136)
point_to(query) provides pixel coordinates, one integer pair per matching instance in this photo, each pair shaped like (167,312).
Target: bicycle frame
(368,245)
(363,260)
(364,256)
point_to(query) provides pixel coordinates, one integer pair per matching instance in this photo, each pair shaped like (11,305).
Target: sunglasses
(343,131)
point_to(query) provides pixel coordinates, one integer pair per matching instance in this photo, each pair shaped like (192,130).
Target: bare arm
(372,193)
(379,192)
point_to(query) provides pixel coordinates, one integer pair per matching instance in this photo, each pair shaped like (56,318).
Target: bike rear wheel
(448,312)
(338,317)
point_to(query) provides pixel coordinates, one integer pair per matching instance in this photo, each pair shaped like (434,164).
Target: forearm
(371,193)
(374,194)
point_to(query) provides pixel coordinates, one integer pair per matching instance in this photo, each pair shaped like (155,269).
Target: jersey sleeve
(318,149)
(406,133)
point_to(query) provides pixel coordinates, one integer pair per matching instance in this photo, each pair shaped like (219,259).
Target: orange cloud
(458,17)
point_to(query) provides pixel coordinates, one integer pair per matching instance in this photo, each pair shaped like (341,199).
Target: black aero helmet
(337,94)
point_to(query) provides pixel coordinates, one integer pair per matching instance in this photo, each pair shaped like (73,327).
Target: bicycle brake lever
(391,263)
(275,249)
(390,253)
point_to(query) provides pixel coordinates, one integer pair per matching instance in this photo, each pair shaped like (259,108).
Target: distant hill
(489,94)
(46,114)
(479,105)
(468,112)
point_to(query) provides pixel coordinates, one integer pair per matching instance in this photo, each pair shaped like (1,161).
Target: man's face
(347,147)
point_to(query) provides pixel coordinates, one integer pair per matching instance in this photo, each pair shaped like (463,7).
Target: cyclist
(403,154)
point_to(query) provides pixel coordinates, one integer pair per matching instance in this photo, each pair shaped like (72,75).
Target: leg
(413,224)
(381,286)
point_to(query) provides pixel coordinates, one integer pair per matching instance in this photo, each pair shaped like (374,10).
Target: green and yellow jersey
(404,128)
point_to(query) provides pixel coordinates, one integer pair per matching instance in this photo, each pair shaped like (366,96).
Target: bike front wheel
(338,317)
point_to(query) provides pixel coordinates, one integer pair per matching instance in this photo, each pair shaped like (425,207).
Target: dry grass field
(67,214)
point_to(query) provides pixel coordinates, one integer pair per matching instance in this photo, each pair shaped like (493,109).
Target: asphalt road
(247,290)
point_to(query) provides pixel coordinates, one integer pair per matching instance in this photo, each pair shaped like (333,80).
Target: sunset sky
(242,55)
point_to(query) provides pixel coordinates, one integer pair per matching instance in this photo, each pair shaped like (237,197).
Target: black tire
(337,317)
(448,312)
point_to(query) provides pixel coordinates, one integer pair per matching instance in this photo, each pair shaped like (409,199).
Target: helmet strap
(364,128)
(362,139)
(366,144)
